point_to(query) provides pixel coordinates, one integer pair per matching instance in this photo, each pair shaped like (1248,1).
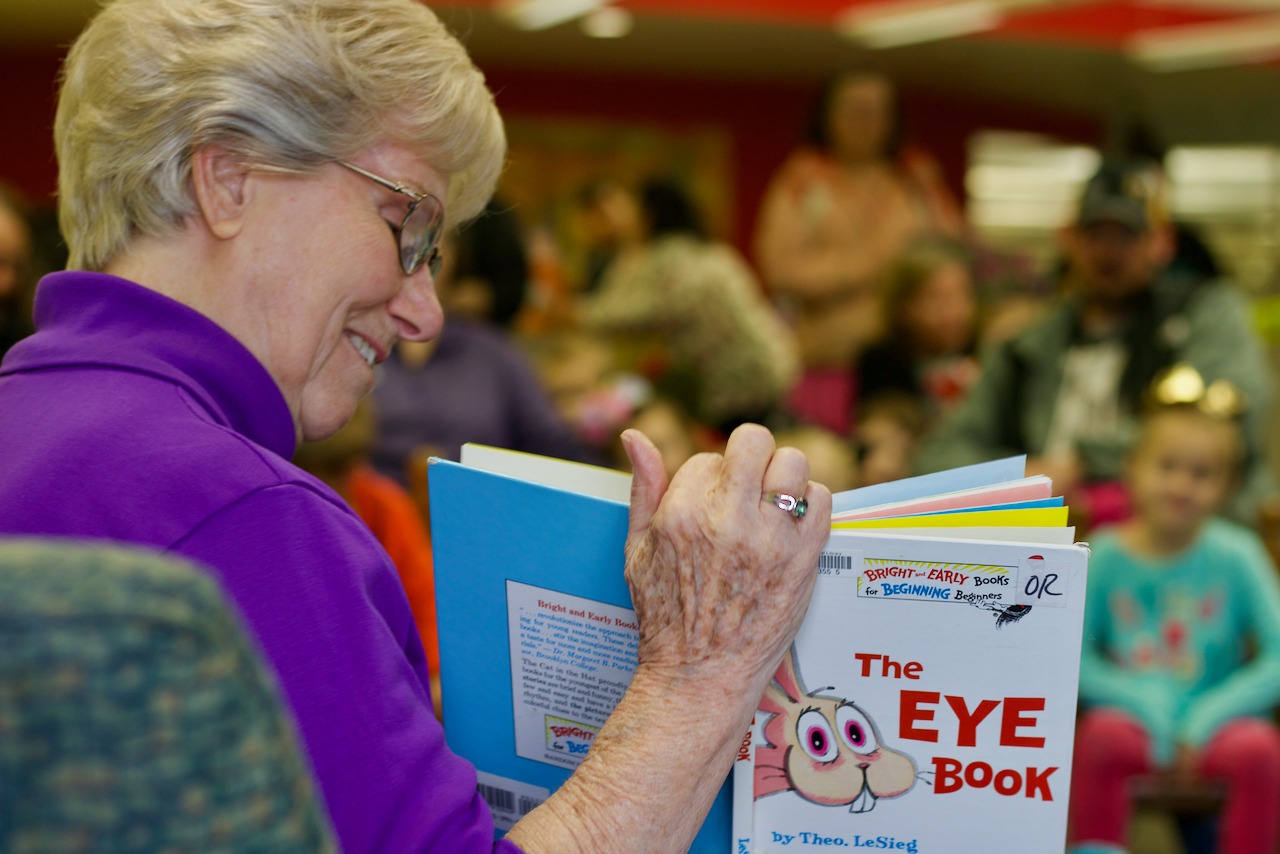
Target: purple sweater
(129,416)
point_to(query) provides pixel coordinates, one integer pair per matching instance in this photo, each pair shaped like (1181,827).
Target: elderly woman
(253,192)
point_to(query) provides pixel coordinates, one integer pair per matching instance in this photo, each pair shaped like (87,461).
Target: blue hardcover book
(537,637)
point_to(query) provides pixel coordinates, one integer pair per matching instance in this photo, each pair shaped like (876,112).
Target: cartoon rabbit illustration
(825,749)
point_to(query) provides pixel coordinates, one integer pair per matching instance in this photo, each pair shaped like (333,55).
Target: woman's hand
(720,578)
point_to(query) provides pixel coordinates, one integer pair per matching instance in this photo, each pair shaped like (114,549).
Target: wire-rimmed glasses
(419,231)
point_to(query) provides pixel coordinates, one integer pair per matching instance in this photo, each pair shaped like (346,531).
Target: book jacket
(927,705)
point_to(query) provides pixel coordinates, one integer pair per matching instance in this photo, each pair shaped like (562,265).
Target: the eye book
(928,704)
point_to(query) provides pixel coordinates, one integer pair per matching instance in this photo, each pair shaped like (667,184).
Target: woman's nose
(416,308)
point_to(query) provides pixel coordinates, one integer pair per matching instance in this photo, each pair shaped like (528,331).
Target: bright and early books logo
(571,738)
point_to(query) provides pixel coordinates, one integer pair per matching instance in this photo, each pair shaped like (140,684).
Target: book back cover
(538,641)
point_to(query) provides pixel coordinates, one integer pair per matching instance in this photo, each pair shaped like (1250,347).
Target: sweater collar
(95,319)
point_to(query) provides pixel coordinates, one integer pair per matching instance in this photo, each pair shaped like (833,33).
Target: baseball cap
(1124,192)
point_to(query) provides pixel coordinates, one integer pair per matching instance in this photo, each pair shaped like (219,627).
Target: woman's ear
(219,179)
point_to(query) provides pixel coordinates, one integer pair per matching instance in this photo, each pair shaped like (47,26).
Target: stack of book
(927,705)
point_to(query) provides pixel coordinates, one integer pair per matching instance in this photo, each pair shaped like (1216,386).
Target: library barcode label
(499,799)
(509,800)
(835,563)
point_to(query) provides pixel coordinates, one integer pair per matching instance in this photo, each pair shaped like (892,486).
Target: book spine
(744,789)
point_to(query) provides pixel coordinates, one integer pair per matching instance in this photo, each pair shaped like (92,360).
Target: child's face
(940,316)
(1182,469)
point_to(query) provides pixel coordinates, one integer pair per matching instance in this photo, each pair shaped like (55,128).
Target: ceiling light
(883,25)
(607,22)
(542,14)
(1223,5)
(1242,42)
(891,23)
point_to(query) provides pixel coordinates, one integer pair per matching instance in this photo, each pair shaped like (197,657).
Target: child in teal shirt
(1181,660)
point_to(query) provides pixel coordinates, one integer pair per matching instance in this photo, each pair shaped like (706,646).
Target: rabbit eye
(816,737)
(856,730)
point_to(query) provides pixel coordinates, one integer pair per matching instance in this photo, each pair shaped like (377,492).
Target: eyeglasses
(1182,385)
(419,231)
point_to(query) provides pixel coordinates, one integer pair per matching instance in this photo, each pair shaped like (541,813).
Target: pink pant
(1112,747)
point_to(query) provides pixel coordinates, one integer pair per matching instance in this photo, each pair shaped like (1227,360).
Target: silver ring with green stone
(795,506)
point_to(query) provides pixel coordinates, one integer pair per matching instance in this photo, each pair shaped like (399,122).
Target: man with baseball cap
(1067,391)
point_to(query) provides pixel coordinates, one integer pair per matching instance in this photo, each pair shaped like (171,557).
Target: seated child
(890,428)
(579,372)
(1167,681)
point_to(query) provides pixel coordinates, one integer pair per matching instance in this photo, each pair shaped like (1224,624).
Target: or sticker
(1043,583)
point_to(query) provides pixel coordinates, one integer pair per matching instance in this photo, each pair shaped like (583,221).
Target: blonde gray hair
(288,84)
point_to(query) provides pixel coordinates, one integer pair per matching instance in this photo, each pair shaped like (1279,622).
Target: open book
(928,704)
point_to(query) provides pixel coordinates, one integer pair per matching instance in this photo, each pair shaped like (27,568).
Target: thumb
(648,482)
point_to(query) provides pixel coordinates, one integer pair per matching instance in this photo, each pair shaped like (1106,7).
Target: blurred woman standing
(836,215)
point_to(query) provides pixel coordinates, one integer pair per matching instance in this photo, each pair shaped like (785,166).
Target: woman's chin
(321,424)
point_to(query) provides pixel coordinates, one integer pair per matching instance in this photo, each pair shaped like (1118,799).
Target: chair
(135,715)
(1191,805)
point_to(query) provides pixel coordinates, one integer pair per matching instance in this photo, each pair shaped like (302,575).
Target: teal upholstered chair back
(136,716)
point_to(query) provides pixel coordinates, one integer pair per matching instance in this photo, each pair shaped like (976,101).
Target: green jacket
(1009,410)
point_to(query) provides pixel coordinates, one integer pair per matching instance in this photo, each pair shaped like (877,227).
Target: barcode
(829,560)
(499,799)
(509,800)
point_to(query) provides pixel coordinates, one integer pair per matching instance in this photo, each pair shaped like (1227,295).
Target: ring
(795,506)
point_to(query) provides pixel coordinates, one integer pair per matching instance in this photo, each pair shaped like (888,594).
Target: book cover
(953,651)
(928,704)
(537,637)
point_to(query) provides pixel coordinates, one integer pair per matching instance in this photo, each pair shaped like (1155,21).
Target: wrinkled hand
(720,578)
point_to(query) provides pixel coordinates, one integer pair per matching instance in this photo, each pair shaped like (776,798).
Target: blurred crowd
(867,322)
(867,325)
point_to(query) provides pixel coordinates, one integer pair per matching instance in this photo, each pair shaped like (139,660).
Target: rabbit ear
(775,701)
(788,677)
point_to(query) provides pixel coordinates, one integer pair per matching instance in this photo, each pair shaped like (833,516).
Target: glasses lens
(434,262)
(420,233)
